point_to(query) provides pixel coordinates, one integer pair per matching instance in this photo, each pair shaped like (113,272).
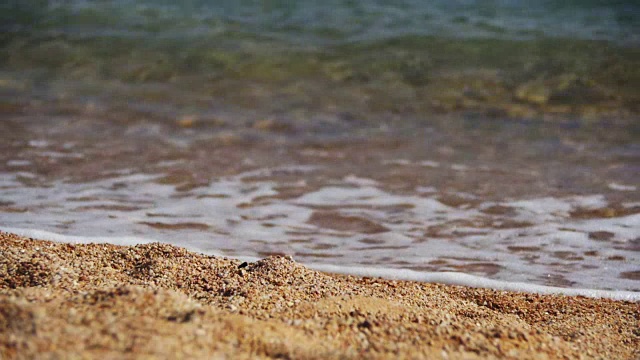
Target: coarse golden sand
(160,301)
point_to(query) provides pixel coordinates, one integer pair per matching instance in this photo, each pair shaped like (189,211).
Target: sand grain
(161,301)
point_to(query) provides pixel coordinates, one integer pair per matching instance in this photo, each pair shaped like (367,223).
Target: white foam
(620,187)
(456,278)
(429,163)
(113,240)
(402,162)
(51,236)
(551,206)
(38,143)
(60,155)
(266,172)
(425,189)
(354,180)
(245,215)
(18,163)
(448,278)
(460,167)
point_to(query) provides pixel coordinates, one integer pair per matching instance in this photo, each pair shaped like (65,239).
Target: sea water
(495,141)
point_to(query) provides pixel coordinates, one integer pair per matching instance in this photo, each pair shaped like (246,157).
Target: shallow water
(500,141)
(528,202)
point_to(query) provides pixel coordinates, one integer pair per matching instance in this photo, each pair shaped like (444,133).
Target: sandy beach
(161,301)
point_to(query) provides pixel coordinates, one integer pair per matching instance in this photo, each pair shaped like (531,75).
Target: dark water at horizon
(498,138)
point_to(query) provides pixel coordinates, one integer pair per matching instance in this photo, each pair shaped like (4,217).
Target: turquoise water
(311,23)
(517,58)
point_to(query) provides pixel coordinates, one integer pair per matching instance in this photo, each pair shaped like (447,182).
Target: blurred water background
(498,138)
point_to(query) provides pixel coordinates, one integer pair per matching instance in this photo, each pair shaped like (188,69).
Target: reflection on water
(519,202)
(493,138)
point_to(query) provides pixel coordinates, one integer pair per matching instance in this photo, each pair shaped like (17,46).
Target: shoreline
(474,281)
(440,277)
(160,301)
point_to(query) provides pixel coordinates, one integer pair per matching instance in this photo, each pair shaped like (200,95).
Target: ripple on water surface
(571,241)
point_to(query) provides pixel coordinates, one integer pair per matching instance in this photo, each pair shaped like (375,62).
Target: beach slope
(160,301)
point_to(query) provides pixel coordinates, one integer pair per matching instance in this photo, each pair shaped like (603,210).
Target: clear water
(498,138)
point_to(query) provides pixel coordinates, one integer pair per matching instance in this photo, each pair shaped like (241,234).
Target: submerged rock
(534,92)
(562,90)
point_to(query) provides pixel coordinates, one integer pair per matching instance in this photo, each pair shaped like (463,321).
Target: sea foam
(448,278)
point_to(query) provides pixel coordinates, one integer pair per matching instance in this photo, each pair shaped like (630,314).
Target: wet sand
(160,301)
